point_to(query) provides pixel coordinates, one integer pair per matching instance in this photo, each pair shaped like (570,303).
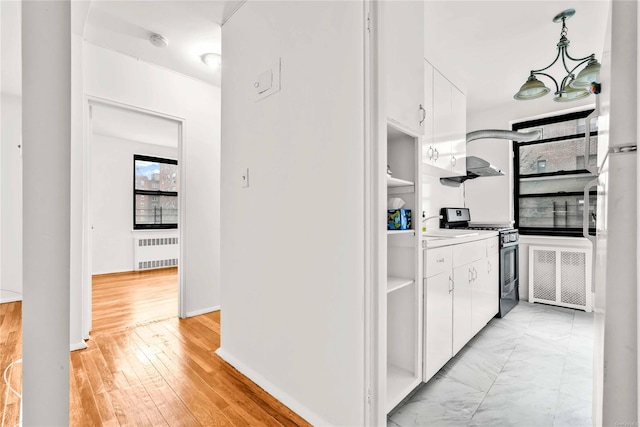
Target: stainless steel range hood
(477,167)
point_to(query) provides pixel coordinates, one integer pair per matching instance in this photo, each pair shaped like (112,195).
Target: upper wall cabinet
(404,51)
(444,144)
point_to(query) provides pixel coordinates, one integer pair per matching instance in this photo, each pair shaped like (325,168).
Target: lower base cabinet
(462,307)
(438,328)
(460,297)
(484,293)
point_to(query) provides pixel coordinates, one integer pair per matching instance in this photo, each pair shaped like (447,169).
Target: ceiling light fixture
(572,87)
(158,40)
(213,60)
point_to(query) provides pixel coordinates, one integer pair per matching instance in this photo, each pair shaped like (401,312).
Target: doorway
(132,218)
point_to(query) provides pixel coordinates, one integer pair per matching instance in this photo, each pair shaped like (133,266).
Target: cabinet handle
(440,260)
(424,114)
(470,276)
(475,273)
(430,152)
(450,284)
(454,160)
(488,266)
(435,150)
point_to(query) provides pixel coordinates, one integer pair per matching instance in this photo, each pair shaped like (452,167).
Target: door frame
(375,160)
(87,240)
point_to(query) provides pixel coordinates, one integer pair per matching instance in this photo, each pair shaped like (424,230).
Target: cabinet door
(484,297)
(427,141)
(438,327)
(459,131)
(462,306)
(442,121)
(404,50)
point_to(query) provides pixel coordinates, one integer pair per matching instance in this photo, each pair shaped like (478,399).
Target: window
(160,210)
(550,176)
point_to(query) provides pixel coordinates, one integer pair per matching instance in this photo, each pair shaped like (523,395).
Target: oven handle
(585,228)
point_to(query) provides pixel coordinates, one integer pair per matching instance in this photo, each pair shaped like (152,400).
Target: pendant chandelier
(572,87)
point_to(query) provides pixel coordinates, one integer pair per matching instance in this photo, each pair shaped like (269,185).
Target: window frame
(158,193)
(548,231)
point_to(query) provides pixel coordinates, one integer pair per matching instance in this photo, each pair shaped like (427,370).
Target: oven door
(509,292)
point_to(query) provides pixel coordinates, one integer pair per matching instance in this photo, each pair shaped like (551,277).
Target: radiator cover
(560,276)
(155,251)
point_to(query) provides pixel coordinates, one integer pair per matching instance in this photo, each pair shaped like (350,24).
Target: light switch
(265,81)
(245,178)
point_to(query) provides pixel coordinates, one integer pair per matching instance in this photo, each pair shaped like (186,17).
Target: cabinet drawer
(469,252)
(492,246)
(437,260)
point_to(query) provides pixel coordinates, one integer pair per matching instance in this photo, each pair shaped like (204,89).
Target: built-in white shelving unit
(395,283)
(401,232)
(397,182)
(404,309)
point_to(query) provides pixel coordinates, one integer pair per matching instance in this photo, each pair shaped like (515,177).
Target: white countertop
(444,237)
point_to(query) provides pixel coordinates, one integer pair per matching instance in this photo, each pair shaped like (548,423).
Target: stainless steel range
(509,248)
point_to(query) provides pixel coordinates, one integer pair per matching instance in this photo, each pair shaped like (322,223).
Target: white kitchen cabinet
(438,328)
(458,132)
(460,297)
(444,145)
(462,294)
(440,156)
(404,52)
(427,139)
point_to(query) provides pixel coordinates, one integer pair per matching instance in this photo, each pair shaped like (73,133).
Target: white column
(46,89)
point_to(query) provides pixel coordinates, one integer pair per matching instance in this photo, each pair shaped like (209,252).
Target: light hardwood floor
(148,372)
(123,300)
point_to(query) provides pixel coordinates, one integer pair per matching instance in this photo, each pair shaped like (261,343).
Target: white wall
(112,76)
(10,155)
(436,196)
(46,132)
(11,199)
(112,201)
(293,259)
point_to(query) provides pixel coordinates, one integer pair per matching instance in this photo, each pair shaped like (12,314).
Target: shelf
(400,382)
(401,231)
(395,283)
(397,182)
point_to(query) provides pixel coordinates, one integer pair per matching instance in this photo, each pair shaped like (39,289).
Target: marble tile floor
(531,368)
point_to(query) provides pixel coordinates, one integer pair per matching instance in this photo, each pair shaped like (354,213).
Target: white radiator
(155,251)
(560,276)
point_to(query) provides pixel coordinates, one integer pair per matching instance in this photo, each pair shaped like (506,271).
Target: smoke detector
(158,40)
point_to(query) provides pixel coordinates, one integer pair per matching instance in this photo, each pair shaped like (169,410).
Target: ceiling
(192,28)
(488,47)
(485,47)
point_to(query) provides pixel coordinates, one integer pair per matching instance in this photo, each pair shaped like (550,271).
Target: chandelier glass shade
(572,87)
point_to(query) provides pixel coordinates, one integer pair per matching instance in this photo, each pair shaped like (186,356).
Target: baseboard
(78,346)
(203,311)
(293,404)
